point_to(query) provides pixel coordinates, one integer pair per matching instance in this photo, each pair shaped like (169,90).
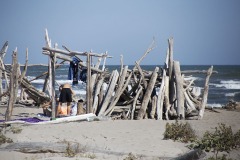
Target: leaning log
(147,95)
(109,92)
(97,93)
(123,88)
(38,96)
(205,93)
(119,90)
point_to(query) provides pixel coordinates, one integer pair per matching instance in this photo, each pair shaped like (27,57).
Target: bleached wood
(94,75)
(96,94)
(166,96)
(205,93)
(5,73)
(170,59)
(73,53)
(2,55)
(191,105)
(135,101)
(160,97)
(4,50)
(142,75)
(154,106)
(53,75)
(118,92)
(104,61)
(70,59)
(109,93)
(150,48)
(1,87)
(195,100)
(121,62)
(89,91)
(25,67)
(147,95)
(197,71)
(58,120)
(179,89)
(13,86)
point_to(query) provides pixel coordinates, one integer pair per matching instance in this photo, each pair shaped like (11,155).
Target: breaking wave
(230,84)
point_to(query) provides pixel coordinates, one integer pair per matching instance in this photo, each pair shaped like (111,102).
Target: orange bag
(63,110)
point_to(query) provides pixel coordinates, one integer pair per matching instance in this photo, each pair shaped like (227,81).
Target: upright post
(89,92)
(13,86)
(179,90)
(53,104)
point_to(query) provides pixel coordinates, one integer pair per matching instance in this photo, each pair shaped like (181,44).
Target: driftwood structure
(134,93)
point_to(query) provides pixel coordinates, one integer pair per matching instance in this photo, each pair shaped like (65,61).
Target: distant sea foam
(229,84)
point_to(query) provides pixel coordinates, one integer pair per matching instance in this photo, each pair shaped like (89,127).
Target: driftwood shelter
(134,93)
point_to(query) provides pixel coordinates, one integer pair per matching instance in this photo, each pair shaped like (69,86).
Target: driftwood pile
(232,105)
(176,98)
(16,80)
(131,93)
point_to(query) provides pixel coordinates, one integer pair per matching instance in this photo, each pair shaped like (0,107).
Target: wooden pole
(179,90)
(53,104)
(1,89)
(170,59)
(2,55)
(160,97)
(89,92)
(13,86)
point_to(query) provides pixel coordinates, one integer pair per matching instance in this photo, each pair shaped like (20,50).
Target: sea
(223,85)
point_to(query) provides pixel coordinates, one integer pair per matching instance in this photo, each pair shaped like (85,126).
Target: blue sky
(205,31)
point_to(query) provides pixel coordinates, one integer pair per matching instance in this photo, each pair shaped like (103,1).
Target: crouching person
(66,94)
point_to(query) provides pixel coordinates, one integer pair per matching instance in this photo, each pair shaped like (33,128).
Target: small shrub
(89,155)
(223,157)
(222,140)
(73,149)
(16,130)
(69,151)
(182,132)
(4,139)
(131,156)
(236,140)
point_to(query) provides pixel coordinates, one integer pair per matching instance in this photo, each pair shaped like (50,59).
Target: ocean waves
(227,84)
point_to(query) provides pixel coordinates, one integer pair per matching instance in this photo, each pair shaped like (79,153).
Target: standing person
(66,93)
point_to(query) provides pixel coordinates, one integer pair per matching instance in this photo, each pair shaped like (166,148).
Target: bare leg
(59,108)
(68,108)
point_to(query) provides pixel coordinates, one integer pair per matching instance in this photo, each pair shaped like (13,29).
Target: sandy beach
(109,139)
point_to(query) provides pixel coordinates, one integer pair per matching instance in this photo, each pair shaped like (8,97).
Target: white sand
(113,139)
